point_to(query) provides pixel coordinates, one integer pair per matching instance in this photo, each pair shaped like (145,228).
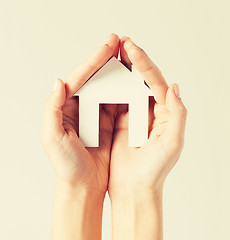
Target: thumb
(53,119)
(174,134)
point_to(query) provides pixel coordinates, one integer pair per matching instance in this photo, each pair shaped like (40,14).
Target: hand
(145,168)
(137,174)
(81,173)
(74,164)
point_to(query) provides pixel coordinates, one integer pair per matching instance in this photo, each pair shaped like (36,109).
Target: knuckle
(141,50)
(157,82)
(108,48)
(136,50)
(92,66)
(183,112)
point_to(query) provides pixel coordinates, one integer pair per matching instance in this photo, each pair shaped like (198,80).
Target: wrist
(120,193)
(136,198)
(77,212)
(137,214)
(77,191)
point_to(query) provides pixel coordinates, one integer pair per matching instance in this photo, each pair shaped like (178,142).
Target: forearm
(137,216)
(77,214)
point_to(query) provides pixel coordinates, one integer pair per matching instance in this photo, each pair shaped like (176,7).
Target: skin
(81,173)
(151,163)
(137,175)
(134,177)
(73,163)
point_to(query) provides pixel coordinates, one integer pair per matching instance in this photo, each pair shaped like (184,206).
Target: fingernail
(125,38)
(129,43)
(176,90)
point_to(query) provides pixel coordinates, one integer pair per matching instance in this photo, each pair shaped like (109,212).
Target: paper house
(114,83)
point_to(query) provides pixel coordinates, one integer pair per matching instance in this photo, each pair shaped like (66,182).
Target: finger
(124,56)
(148,69)
(52,124)
(106,125)
(83,72)
(70,115)
(117,48)
(121,126)
(174,134)
(151,116)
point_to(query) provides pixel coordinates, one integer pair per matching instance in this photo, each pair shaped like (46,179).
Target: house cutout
(114,83)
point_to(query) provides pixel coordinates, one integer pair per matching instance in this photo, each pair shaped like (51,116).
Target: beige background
(188,40)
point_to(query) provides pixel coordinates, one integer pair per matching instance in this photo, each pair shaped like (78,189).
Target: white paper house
(114,83)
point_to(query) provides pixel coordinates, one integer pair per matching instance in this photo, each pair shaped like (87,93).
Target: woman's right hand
(74,164)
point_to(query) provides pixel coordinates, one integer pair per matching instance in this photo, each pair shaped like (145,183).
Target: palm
(148,165)
(87,165)
(140,166)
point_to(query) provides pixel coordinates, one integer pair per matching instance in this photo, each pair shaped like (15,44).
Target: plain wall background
(188,40)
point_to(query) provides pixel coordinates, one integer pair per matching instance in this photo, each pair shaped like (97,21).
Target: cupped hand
(74,164)
(146,167)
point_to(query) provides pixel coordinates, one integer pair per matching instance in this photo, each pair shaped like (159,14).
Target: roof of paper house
(114,83)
